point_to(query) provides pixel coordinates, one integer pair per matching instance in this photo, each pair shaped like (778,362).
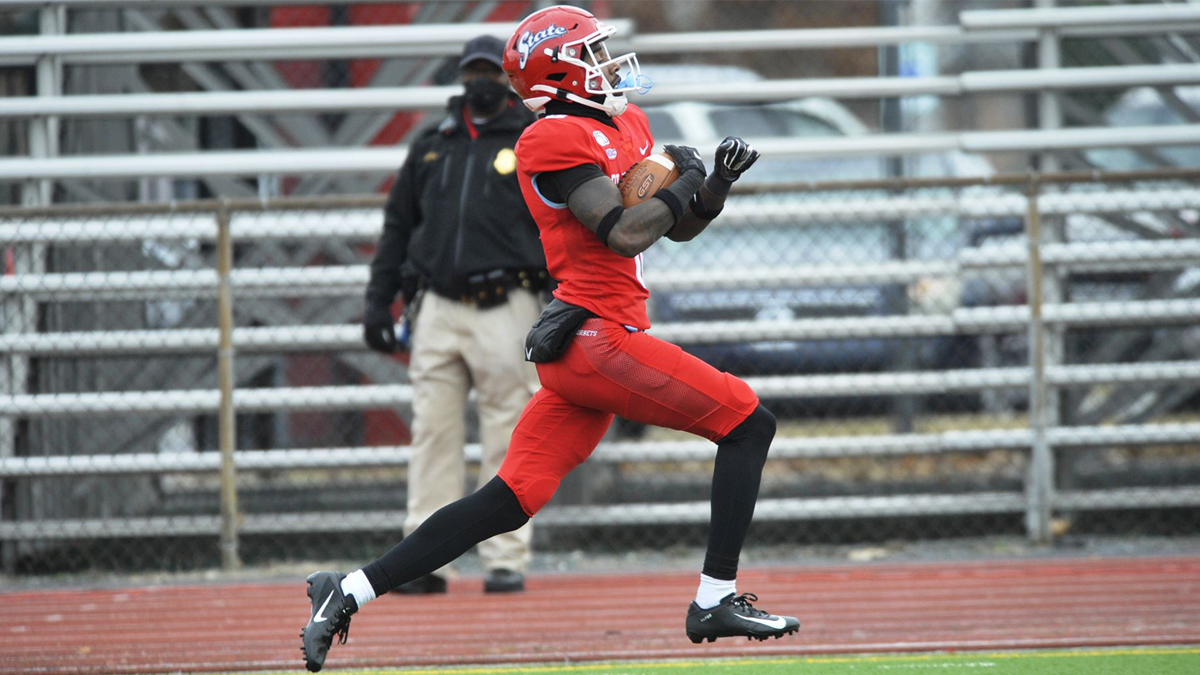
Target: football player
(593,356)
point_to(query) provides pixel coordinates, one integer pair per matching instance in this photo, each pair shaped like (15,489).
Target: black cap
(486,47)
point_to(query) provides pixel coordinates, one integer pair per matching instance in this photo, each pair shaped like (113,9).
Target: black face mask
(484,95)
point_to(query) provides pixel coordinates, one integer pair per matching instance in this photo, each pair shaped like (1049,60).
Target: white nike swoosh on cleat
(318,618)
(777,624)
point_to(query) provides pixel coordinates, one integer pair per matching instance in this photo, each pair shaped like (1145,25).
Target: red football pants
(608,370)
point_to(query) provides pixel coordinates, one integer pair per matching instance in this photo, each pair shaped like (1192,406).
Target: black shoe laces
(341,625)
(743,602)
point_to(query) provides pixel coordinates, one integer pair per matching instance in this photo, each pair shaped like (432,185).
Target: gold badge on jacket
(506,162)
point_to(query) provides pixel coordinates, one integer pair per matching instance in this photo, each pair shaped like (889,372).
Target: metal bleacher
(223,62)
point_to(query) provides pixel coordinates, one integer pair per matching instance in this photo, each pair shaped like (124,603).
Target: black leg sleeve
(447,534)
(736,476)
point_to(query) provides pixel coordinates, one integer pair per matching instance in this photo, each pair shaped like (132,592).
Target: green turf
(1134,661)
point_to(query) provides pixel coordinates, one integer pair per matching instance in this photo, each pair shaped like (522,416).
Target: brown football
(646,177)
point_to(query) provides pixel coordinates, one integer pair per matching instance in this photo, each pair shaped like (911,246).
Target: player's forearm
(639,227)
(669,206)
(689,227)
(681,221)
(709,201)
(629,231)
(692,224)
(625,231)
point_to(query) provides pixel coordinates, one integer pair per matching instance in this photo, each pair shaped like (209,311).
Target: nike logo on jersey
(644,148)
(320,612)
(528,353)
(777,624)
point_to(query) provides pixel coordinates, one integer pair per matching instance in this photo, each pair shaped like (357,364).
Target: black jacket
(456,209)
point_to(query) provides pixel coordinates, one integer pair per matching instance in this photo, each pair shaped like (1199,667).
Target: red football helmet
(559,53)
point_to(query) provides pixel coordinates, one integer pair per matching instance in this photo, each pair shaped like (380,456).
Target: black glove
(686,159)
(677,195)
(734,156)
(379,329)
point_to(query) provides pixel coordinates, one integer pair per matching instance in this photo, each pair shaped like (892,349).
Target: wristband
(606,224)
(676,194)
(697,206)
(717,185)
(672,201)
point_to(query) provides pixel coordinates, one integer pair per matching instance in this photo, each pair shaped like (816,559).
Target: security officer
(455,217)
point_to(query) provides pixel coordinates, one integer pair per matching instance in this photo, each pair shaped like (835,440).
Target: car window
(1122,159)
(1137,112)
(748,121)
(1144,116)
(662,125)
(783,245)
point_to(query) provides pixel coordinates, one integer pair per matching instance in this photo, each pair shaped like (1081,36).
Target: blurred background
(964,274)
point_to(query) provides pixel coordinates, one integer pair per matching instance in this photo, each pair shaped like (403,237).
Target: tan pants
(457,346)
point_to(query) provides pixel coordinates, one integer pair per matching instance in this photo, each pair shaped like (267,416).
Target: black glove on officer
(379,329)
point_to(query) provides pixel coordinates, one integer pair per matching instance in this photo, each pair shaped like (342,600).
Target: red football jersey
(589,273)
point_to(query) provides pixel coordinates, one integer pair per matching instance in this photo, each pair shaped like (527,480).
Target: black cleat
(429,584)
(735,617)
(503,580)
(331,612)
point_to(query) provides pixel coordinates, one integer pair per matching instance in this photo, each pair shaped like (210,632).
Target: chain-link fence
(889,325)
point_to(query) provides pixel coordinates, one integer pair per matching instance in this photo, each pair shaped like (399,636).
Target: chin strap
(536,103)
(613,105)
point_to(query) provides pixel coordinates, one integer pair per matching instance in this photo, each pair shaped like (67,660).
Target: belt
(491,289)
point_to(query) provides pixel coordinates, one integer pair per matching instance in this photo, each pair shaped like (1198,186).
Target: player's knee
(762,427)
(534,493)
(767,420)
(539,493)
(755,432)
(499,500)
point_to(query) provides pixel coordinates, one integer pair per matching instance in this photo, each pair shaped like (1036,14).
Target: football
(646,177)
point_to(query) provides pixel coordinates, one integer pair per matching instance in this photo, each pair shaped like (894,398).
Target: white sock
(712,591)
(356,584)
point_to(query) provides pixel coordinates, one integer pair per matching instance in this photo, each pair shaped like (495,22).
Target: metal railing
(434,97)
(386,160)
(1043,374)
(53,50)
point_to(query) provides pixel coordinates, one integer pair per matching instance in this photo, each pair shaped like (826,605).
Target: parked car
(1138,107)
(1143,107)
(785,244)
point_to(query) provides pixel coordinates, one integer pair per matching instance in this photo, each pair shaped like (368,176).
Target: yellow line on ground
(1141,651)
(1098,652)
(586,667)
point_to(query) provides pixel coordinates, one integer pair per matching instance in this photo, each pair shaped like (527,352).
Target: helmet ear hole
(556,77)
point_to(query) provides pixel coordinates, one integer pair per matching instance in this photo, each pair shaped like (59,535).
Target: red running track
(867,608)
